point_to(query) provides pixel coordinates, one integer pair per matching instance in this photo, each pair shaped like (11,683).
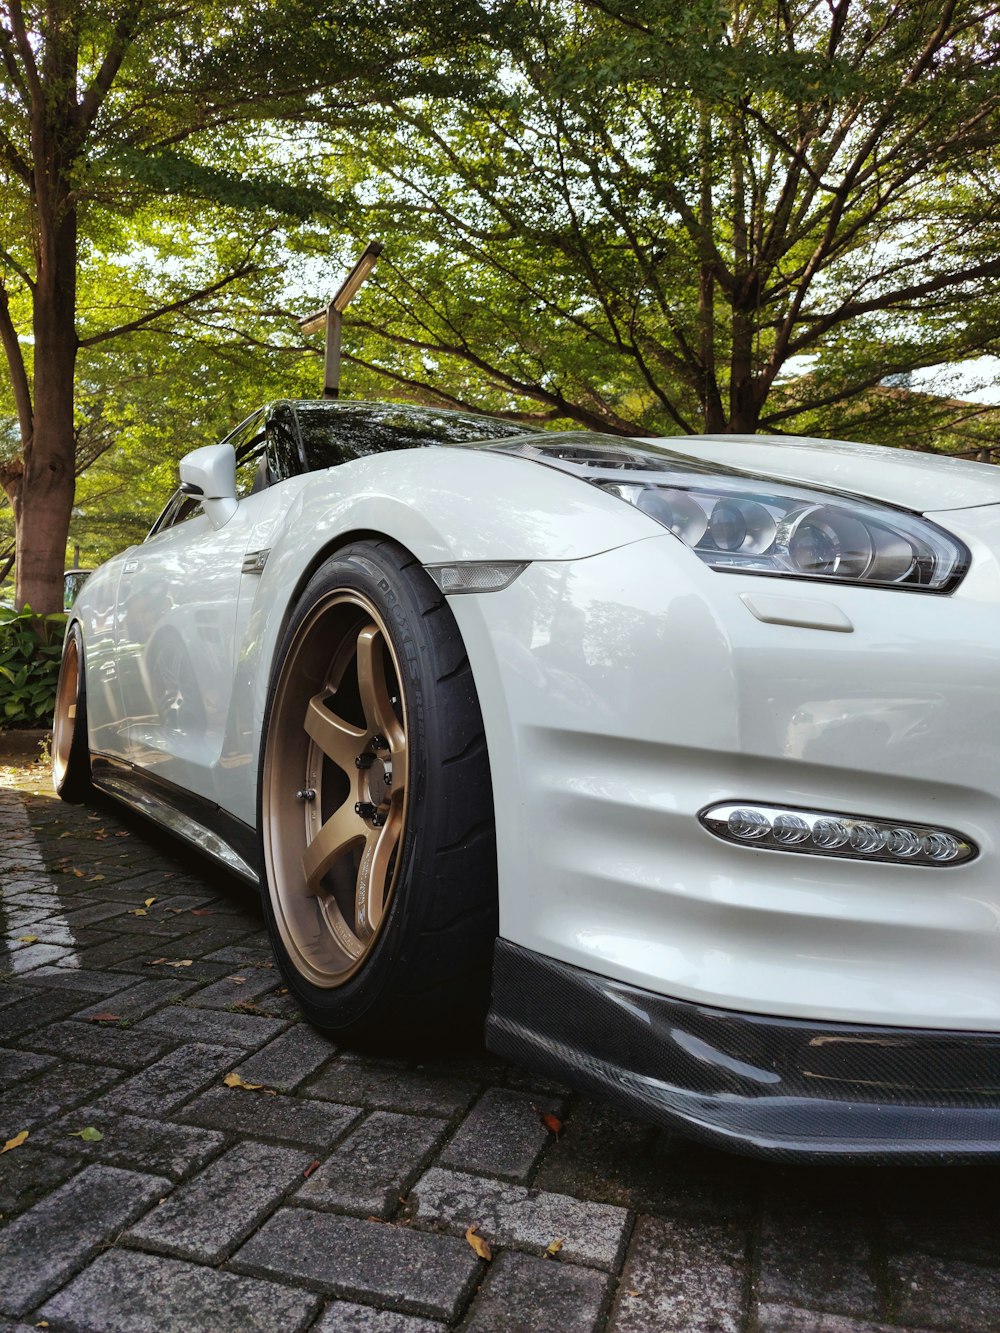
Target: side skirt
(193,819)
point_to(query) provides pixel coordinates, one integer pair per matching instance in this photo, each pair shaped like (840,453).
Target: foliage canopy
(660,218)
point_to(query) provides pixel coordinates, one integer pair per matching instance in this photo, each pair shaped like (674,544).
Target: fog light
(830,833)
(902,842)
(940,846)
(748,824)
(790,830)
(866,838)
(822,833)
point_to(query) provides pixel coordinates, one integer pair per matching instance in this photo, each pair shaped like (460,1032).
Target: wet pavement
(339,1194)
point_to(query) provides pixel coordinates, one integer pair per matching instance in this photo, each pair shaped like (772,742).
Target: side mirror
(210,475)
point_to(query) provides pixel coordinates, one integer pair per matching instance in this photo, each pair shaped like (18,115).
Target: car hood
(927,483)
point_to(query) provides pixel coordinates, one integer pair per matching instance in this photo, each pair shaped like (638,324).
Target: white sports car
(679,760)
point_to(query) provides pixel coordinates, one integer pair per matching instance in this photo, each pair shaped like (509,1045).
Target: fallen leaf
(121,835)
(15,1142)
(478,1244)
(42,1323)
(105,1018)
(65,835)
(202,911)
(27,939)
(551,1122)
(138,911)
(311,1168)
(78,872)
(239,980)
(234,1081)
(553,1248)
(181,962)
(282,990)
(94,879)
(149,902)
(89,1135)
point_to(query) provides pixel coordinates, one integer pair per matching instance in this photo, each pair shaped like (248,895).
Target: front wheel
(375,807)
(70,752)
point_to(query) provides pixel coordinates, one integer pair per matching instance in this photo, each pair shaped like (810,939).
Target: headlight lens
(801,535)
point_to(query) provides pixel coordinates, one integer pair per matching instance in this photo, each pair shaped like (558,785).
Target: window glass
(250,443)
(179,507)
(284,457)
(334,432)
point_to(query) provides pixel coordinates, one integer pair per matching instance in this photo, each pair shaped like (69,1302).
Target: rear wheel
(70,753)
(375,805)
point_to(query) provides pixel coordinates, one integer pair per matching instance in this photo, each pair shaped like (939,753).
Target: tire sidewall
(74,784)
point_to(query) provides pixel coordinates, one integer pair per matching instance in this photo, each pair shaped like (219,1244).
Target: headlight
(740,523)
(754,530)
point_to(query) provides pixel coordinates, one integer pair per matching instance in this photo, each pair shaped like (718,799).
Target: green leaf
(89,1135)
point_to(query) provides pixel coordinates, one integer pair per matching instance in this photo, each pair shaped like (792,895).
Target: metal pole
(331,360)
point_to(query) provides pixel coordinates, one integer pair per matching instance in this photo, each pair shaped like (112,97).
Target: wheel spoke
(374,690)
(373,874)
(399,768)
(337,739)
(340,830)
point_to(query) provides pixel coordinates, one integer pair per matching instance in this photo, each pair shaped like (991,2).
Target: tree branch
(10,60)
(23,42)
(92,100)
(902,296)
(18,373)
(169,309)
(593,420)
(15,267)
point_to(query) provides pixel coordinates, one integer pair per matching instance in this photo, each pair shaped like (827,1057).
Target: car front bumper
(626,693)
(772,1087)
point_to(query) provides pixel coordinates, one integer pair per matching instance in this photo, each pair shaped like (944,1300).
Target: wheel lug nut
(365,809)
(364,760)
(379,743)
(306,794)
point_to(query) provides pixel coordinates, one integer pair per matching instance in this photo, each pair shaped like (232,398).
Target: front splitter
(773,1087)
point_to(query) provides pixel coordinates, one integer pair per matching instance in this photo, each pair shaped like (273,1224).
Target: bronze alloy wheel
(70,755)
(335,788)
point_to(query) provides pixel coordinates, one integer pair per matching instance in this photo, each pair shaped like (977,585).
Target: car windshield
(334,433)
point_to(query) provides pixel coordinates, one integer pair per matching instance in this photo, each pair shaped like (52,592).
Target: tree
(662,218)
(107,107)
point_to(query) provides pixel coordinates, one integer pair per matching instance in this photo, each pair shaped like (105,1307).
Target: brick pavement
(340,1200)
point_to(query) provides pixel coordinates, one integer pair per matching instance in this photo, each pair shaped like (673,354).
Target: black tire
(385,929)
(70,752)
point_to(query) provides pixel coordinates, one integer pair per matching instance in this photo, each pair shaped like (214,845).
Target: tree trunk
(48,484)
(744,407)
(49,480)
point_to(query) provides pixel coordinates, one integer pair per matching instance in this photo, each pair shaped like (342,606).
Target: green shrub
(30,650)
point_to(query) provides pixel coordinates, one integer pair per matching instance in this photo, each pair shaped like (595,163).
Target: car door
(177,625)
